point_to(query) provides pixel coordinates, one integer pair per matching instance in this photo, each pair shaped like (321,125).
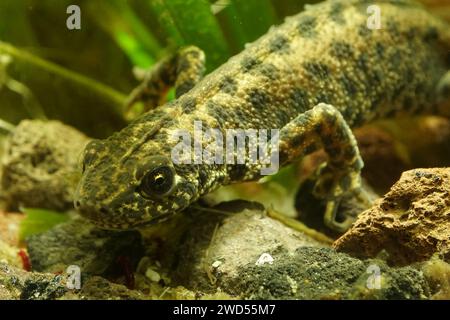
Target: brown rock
(411,222)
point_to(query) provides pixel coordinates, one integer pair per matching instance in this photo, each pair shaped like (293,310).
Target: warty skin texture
(325,54)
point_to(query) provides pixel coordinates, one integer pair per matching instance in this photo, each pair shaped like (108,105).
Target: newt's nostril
(77,204)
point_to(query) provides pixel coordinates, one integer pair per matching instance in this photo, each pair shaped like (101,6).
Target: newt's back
(328,54)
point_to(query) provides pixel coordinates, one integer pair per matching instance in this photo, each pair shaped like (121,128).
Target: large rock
(249,255)
(411,222)
(40,165)
(79,243)
(18,284)
(217,246)
(322,273)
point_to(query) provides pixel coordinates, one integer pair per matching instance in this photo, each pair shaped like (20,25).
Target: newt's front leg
(324,127)
(181,70)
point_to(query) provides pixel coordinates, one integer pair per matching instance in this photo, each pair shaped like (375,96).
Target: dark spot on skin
(431,35)
(279,44)
(124,178)
(237,172)
(188,105)
(349,152)
(363,31)
(268,70)
(411,33)
(318,128)
(297,141)
(336,13)
(300,101)
(345,183)
(375,77)
(317,70)
(203,176)
(167,75)
(349,85)
(379,48)
(408,103)
(248,63)
(184,64)
(322,97)
(217,111)
(283,156)
(228,85)
(183,88)
(309,149)
(392,28)
(363,62)
(327,140)
(341,50)
(258,98)
(375,104)
(307,26)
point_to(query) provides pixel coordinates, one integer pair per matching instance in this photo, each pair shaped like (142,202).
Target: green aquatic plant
(83,76)
(38,221)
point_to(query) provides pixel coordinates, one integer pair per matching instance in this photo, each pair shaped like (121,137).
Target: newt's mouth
(119,221)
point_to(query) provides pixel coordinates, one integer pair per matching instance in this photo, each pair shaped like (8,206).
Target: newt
(315,77)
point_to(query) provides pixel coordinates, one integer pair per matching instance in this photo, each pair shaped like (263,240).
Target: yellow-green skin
(325,54)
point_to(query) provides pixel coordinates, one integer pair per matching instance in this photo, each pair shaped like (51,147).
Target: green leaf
(255,17)
(38,221)
(126,28)
(197,25)
(63,94)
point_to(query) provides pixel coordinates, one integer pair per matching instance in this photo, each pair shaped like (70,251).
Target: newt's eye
(158,182)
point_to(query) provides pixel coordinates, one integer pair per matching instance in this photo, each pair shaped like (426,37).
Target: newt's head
(129,179)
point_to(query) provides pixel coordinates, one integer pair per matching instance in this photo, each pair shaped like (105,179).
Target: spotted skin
(314,77)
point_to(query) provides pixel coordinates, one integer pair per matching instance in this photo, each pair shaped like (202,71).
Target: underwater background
(82,77)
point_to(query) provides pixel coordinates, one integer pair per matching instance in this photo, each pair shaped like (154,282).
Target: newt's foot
(332,186)
(334,221)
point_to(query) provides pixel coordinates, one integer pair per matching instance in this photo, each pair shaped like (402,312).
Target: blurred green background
(83,76)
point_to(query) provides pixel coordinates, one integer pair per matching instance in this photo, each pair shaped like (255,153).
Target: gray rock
(225,251)
(19,284)
(79,243)
(321,273)
(208,258)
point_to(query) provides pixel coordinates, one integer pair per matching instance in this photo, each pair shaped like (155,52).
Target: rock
(217,246)
(98,288)
(40,165)
(9,227)
(322,273)
(79,243)
(248,255)
(411,222)
(9,254)
(18,284)
(437,273)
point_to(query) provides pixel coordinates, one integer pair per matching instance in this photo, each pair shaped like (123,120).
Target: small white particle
(263,259)
(152,275)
